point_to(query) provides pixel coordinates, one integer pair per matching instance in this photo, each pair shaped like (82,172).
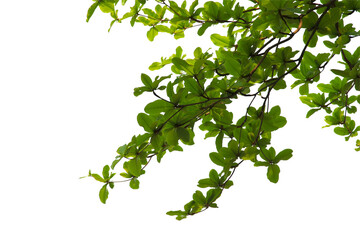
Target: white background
(66,104)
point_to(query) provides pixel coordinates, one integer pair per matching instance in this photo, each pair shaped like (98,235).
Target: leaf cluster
(250,62)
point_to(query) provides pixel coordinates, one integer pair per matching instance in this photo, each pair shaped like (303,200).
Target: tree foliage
(252,61)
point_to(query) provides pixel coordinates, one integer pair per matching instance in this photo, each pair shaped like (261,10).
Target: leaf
(203,28)
(326,88)
(183,134)
(106,6)
(341,131)
(152,33)
(104,194)
(214,176)
(207,182)
(158,106)
(182,65)
(199,198)
(105,172)
(233,67)
(91,10)
(261,164)
(121,150)
(134,166)
(114,163)
(304,89)
(97,177)
(146,80)
(284,155)
(217,159)
(250,153)
(192,85)
(311,112)
(273,173)
(172,137)
(146,122)
(220,41)
(219,141)
(134,183)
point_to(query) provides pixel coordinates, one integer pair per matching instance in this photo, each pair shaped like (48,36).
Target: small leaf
(152,33)
(97,177)
(146,122)
(284,155)
(103,194)
(158,106)
(233,67)
(182,65)
(134,167)
(146,80)
(199,198)
(273,173)
(326,88)
(219,141)
(121,150)
(203,28)
(91,10)
(217,159)
(311,112)
(214,176)
(105,172)
(114,163)
(341,131)
(134,183)
(220,41)
(183,134)
(106,6)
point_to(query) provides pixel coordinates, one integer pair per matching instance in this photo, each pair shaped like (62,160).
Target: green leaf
(121,150)
(273,173)
(152,33)
(146,122)
(192,85)
(114,163)
(306,38)
(261,164)
(250,153)
(91,10)
(341,131)
(104,194)
(172,137)
(178,35)
(182,65)
(219,141)
(134,166)
(105,172)
(217,159)
(233,67)
(183,134)
(304,89)
(134,183)
(311,112)
(207,182)
(97,177)
(307,100)
(146,80)
(203,28)
(199,198)
(158,106)
(220,41)
(106,6)
(284,155)
(214,176)
(326,88)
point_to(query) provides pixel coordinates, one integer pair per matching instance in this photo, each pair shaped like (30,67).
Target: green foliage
(251,61)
